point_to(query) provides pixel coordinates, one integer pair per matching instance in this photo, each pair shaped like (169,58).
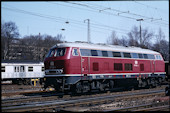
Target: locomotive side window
(140,55)
(145,56)
(95,66)
(104,53)
(99,53)
(128,67)
(85,52)
(116,54)
(127,55)
(141,67)
(2,68)
(75,52)
(150,56)
(118,67)
(134,55)
(94,53)
(110,54)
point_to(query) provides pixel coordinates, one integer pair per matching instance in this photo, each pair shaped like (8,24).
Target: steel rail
(53,104)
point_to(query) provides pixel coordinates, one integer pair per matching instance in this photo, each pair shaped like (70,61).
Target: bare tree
(134,37)
(8,31)
(162,45)
(113,39)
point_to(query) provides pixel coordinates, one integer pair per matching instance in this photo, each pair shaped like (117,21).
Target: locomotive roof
(106,47)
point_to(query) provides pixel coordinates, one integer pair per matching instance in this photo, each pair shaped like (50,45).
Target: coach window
(140,55)
(145,56)
(127,55)
(16,69)
(128,67)
(116,54)
(30,68)
(2,68)
(22,69)
(94,53)
(95,66)
(118,67)
(134,55)
(42,69)
(104,53)
(75,52)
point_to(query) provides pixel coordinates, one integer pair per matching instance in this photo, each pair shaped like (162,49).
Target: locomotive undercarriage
(81,86)
(150,82)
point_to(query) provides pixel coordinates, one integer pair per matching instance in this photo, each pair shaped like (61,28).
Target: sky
(49,18)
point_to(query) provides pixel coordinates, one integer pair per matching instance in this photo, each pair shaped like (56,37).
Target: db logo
(136,63)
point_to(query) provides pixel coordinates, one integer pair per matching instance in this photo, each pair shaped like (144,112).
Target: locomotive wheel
(78,88)
(85,86)
(111,84)
(81,87)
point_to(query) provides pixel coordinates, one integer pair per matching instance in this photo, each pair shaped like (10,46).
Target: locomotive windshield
(56,52)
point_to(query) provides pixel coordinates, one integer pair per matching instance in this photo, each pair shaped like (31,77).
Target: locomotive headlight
(52,63)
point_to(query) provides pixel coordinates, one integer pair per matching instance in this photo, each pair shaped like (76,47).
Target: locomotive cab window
(60,52)
(75,52)
(56,52)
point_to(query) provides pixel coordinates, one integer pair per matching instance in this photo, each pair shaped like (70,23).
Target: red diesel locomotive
(82,67)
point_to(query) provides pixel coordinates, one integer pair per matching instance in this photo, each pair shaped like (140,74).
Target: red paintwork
(72,64)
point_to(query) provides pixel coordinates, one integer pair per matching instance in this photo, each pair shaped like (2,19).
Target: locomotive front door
(85,65)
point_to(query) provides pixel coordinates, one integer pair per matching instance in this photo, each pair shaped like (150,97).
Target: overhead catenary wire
(98,8)
(77,22)
(57,19)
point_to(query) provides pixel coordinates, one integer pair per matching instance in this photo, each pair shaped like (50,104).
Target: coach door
(85,65)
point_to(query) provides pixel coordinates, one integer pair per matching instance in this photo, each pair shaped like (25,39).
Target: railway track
(145,107)
(55,104)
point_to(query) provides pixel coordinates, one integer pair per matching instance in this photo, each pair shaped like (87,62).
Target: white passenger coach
(21,71)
